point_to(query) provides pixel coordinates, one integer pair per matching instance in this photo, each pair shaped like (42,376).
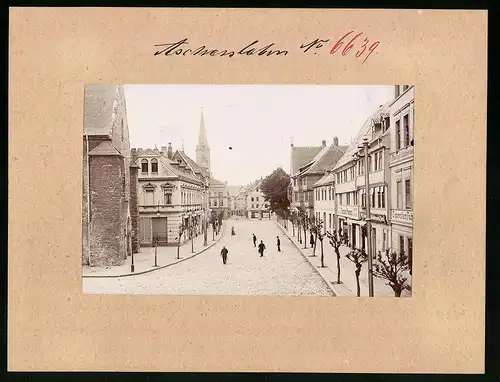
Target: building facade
(350,190)
(169,194)
(257,207)
(219,198)
(308,174)
(401,167)
(324,201)
(109,176)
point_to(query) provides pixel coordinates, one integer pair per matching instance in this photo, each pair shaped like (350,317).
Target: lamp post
(368,218)
(158,213)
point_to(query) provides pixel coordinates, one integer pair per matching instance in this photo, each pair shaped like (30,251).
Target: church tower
(202,149)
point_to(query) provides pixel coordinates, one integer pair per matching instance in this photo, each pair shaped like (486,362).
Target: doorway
(160,231)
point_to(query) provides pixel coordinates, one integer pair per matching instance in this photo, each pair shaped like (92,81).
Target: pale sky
(257,121)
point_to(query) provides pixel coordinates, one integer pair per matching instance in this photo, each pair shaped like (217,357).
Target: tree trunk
(397,292)
(305,237)
(357,284)
(192,243)
(322,255)
(315,244)
(338,265)
(293,229)
(178,245)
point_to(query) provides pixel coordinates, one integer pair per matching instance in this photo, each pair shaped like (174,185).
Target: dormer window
(144,166)
(154,166)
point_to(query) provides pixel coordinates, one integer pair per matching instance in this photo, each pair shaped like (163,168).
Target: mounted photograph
(257,190)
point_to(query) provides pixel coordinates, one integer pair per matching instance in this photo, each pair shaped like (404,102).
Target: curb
(157,268)
(307,260)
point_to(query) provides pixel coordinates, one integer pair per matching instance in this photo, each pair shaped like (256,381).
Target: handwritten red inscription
(364,49)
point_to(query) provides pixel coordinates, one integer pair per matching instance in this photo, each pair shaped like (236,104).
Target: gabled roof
(365,131)
(99,102)
(215,182)
(192,164)
(327,179)
(105,148)
(325,160)
(302,156)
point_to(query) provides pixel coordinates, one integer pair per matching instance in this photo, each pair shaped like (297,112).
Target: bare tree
(392,268)
(358,257)
(337,238)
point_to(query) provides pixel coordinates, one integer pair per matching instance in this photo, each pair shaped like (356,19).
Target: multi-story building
(324,201)
(219,198)
(109,179)
(241,201)
(257,206)
(350,190)
(169,194)
(401,166)
(311,172)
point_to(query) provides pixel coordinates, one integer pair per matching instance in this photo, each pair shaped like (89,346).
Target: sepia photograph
(257,190)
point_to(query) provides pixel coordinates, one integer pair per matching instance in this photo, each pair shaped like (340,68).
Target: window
(370,167)
(257,199)
(384,241)
(215,203)
(150,198)
(363,199)
(352,173)
(398,135)
(355,198)
(408,194)
(144,166)
(386,123)
(168,198)
(330,221)
(399,195)
(252,199)
(154,166)
(405,87)
(383,198)
(348,196)
(379,199)
(401,244)
(373,198)
(406,130)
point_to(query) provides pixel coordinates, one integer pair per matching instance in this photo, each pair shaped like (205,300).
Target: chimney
(323,143)
(169,150)
(163,150)
(336,141)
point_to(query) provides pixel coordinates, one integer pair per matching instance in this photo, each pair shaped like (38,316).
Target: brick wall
(107,236)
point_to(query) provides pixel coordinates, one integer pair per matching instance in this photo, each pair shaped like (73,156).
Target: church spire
(202,149)
(202,138)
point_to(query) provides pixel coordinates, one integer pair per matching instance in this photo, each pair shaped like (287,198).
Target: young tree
(182,228)
(292,219)
(337,238)
(275,190)
(358,257)
(391,269)
(304,223)
(316,225)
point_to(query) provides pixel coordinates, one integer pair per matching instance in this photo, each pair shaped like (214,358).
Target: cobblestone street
(277,273)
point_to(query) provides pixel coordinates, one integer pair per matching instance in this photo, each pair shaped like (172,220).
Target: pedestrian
(262,247)
(224,253)
(311,240)
(278,243)
(254,240)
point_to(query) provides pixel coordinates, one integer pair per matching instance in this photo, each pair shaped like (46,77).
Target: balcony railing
(401,154)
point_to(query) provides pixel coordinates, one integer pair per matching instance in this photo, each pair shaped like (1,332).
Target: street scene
(234,190)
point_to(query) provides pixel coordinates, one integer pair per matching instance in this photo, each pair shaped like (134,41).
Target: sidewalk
(166,256)
(347,269)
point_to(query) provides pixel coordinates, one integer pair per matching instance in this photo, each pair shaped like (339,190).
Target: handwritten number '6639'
(351,44)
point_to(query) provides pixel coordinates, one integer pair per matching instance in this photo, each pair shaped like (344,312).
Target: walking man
(278,243)
(262,247)
(224,254)
(254,240)
(311,240)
